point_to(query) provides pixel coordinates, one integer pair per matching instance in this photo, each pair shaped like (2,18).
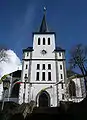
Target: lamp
(6,83)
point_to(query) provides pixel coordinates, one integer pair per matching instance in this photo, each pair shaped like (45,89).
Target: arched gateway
(44,99)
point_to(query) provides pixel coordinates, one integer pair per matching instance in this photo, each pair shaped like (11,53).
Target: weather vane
(44,9)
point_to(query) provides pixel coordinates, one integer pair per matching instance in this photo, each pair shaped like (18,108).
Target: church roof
(28,49)
(43,26)
(16,74)
(59,49)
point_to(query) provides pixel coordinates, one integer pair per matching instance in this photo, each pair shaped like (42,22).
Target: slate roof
(43,27)
(59,49)
(28,49)
(17,74)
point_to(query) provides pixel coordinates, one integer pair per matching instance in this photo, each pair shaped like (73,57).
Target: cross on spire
(43,27)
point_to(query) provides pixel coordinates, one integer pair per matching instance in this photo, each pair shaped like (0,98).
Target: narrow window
(43,66)
(37,76)
(60,67)
(62,85)
(38,66)
(43,41)
(72,89)
(61,76)
(43,75)
(24,85)
(23,96)
(48,41)
(49,66)
(62,96)
(27,53)
(26,66)
(25,75)
(59,53)
(38,41)
(49,76)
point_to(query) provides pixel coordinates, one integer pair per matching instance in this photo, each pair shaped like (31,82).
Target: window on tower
(26,66)
(37,76)
(38,66)
(62,96)
(48,41)
(43,41)
(62,85)
(49,76)
(60,67)
(43,76)
(38,41)
(43,66)
(61,76)
(25,75)
(49,66)
(59,53)
(27,53)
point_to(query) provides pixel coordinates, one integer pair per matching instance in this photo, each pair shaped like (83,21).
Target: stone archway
(44,99)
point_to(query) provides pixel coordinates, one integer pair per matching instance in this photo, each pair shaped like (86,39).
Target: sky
(19,18)
(10,64)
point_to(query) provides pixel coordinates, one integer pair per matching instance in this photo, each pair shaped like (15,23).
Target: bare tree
(78,58)
(3,55)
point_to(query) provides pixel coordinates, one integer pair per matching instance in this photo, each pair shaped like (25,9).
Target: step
(46,110)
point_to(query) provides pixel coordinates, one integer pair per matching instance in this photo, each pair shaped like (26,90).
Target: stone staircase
(46,110)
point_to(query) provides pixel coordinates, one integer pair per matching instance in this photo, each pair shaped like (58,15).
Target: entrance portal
(44,99)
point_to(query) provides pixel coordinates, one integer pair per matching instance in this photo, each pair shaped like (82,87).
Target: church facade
(44,78)
(44,70)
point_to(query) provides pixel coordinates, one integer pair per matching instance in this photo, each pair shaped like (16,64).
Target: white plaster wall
(60,71)
(83,90)
(38,48)
(78,87)
(1,91)
(62,55)
(25,55)
(21,91)
(36,88)
(34,70)
(24,70)
(61,91)
(27,93)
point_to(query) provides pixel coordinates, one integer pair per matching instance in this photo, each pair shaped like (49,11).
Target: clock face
(43,52)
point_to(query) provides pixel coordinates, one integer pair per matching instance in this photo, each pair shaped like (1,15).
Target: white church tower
(43,70)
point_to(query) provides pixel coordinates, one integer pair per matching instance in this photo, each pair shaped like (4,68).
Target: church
(44,70)
(44,76)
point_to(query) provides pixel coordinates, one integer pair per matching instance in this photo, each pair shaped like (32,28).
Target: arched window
(44,99)
(48,41)
(43,41)
(38,41)
(72,89)
(49,66)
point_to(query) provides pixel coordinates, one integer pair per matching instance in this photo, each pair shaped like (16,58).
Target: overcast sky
(19,18)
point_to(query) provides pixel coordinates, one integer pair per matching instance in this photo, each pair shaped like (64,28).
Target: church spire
(43,27)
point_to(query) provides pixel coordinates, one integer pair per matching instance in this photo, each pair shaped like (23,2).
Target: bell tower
(43,69)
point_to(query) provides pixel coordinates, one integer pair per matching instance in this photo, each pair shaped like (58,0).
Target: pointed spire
(43,27)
